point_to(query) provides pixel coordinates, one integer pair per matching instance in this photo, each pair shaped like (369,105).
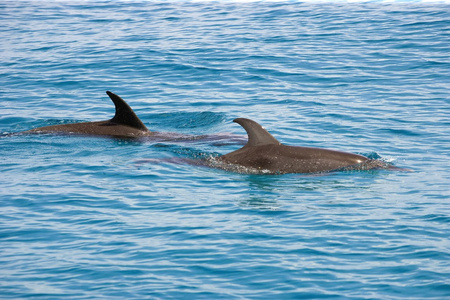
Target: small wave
(372,155)
(214,162)
(188,120)
(371,164)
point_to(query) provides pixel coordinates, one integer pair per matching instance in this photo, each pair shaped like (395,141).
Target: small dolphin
(265,153)
(125,123)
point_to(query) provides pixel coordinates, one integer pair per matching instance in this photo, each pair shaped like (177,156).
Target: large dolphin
(265,153)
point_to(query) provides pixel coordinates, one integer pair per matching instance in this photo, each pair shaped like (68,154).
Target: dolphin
(264,153)
(125,123)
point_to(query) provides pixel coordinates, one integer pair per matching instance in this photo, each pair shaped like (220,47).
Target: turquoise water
(98,218)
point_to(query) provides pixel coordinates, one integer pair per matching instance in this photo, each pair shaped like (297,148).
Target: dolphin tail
(124,114)
(394,168)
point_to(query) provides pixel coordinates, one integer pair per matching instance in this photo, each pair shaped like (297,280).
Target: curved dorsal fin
(124,114)
(257,135)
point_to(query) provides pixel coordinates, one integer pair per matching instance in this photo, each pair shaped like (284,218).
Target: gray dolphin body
(125,123)
(264,152)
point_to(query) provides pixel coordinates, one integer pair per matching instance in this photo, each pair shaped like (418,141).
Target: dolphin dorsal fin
(257,135)
(124,114)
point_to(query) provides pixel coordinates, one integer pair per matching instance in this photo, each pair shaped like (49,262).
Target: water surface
(98,218)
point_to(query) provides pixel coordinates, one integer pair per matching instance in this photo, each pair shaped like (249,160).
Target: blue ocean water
(98,218)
